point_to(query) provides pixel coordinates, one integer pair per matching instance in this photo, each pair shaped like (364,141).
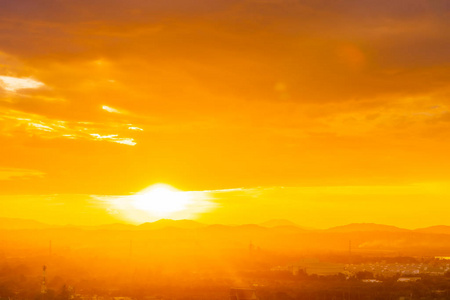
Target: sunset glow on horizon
(158,201)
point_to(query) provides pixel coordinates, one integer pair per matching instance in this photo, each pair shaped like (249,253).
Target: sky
(321,112)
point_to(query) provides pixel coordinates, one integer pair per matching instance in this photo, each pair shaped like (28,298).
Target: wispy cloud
(135,128)
(14,121)
(11,173)
(13,84)
(111,109)
(114,138)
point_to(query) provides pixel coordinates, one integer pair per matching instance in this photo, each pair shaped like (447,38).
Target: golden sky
(322,112)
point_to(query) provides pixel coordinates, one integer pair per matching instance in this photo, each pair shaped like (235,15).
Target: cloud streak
(17,173)
(12,122)
(14,84)
(111,109)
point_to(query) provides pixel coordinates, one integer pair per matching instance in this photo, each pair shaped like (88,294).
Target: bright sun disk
(161,200)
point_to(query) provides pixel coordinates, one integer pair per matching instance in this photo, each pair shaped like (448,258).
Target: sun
(161,200)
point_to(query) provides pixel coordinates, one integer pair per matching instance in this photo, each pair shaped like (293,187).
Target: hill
(439,229)
(363,227)
(114,226)
(164,223)
(277,223)
(11,224)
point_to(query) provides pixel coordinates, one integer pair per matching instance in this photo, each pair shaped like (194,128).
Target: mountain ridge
(365,227)
(25,224)
(436,229)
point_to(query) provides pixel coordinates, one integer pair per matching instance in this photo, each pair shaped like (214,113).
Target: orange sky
(345,104)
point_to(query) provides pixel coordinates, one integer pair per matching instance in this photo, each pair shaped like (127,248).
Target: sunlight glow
(159,201)
(162,200)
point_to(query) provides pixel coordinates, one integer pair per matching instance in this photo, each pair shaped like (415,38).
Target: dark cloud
(322,50)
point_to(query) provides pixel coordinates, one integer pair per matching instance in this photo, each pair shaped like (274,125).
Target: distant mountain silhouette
(439,229)
(245,228)
(282,223)
(114,226)
(164,223)
(12,223)
(250,228)
(358,227)
(277,223)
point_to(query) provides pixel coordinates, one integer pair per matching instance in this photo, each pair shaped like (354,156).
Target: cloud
(13,84)
(12,122)
(135,128)
(328,51)
(110,109)
(12,173)
(114,138)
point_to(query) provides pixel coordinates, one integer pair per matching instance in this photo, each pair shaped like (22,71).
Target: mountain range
(22,224)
